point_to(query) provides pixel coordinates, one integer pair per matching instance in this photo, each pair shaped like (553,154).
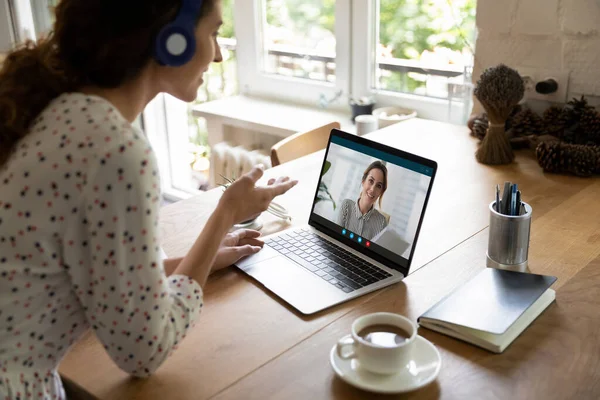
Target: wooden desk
(250,345)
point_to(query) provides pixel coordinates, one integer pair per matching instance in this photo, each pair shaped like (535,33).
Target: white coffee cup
(366,123)
(375,358)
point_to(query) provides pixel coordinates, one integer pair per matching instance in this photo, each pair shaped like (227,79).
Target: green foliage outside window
(407,28)
(410,27)
(303,14)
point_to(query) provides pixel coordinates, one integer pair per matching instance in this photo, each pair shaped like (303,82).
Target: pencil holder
(508,243)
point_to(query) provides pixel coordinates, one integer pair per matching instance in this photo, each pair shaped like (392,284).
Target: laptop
(323,263)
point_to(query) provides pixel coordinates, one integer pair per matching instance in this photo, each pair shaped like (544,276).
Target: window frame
(7,31)
(42,19)
(365,23)
(23,20)
(164,122)
(254,81)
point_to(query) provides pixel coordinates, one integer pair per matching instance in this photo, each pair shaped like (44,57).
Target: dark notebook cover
(492,301)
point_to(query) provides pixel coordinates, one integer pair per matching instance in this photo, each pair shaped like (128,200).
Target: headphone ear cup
(175,45)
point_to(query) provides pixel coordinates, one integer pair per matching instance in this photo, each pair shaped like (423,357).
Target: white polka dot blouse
(79,202)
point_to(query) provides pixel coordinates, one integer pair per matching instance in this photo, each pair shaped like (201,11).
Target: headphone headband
(176,42)
(190,8)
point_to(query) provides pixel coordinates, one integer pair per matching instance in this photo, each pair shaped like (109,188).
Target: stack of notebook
(492,309)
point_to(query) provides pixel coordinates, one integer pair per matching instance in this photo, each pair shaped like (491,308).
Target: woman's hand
(245,201)
(236,245)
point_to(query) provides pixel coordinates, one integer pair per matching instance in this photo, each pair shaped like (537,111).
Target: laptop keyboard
(329,262)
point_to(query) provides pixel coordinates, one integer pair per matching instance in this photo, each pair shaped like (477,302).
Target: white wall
(557,34)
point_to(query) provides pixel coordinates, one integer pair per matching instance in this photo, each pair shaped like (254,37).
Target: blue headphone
(176,42)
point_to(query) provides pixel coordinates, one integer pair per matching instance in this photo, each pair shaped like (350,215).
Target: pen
(513,200)
(519,205)
(498,198)
(505,198)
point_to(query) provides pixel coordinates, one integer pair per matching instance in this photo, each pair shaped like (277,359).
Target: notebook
(491,309)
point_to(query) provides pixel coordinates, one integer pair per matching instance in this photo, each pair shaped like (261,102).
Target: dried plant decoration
(499,90)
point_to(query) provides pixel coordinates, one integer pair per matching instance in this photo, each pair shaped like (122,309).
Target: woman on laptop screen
(360,216)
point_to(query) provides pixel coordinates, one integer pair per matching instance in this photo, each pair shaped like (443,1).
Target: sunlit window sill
(265,116)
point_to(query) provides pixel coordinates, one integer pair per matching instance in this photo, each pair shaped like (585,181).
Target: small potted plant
(323,194)
(361,106)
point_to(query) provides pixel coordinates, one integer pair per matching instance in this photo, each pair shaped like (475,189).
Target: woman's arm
(137,313)
(241,200)
(199,260)
(170,264)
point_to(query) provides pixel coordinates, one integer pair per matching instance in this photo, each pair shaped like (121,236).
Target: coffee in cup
(381,342)
(384,335)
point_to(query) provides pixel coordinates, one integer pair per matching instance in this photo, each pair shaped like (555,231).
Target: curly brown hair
(102,43)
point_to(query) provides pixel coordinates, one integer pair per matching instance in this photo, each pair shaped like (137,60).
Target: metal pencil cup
(508,244)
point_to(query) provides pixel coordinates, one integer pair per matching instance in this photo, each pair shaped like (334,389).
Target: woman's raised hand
(245,201)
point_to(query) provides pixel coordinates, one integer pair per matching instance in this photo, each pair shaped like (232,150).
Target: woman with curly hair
(80,191)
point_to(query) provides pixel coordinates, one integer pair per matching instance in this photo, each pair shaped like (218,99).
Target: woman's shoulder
(346,203)
(87,123)
(87,131)
(78,113)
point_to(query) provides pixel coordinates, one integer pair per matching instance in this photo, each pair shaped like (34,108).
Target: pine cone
(579,105)
(554,123)
(590,125)
(574,131)
(558,157)
(526,122)
(509,122)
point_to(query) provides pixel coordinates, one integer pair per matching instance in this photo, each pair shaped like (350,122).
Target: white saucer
(422,370)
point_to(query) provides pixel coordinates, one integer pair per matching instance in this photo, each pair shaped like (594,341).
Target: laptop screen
(373,197)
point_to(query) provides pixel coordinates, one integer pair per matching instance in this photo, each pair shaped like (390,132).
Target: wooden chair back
(301,144)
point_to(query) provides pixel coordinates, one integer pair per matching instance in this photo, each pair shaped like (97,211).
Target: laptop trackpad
(265,254)
(303,290)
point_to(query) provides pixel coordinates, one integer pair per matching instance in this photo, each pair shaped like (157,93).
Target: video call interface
(372,198)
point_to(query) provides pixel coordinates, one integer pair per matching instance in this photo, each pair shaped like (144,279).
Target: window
(188,152)
(413,53)
(416,54)
(295,50)
(24,25)
(299,39)
(419,52)
(424,47)
(220,81)
(43,15)
(7,34)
